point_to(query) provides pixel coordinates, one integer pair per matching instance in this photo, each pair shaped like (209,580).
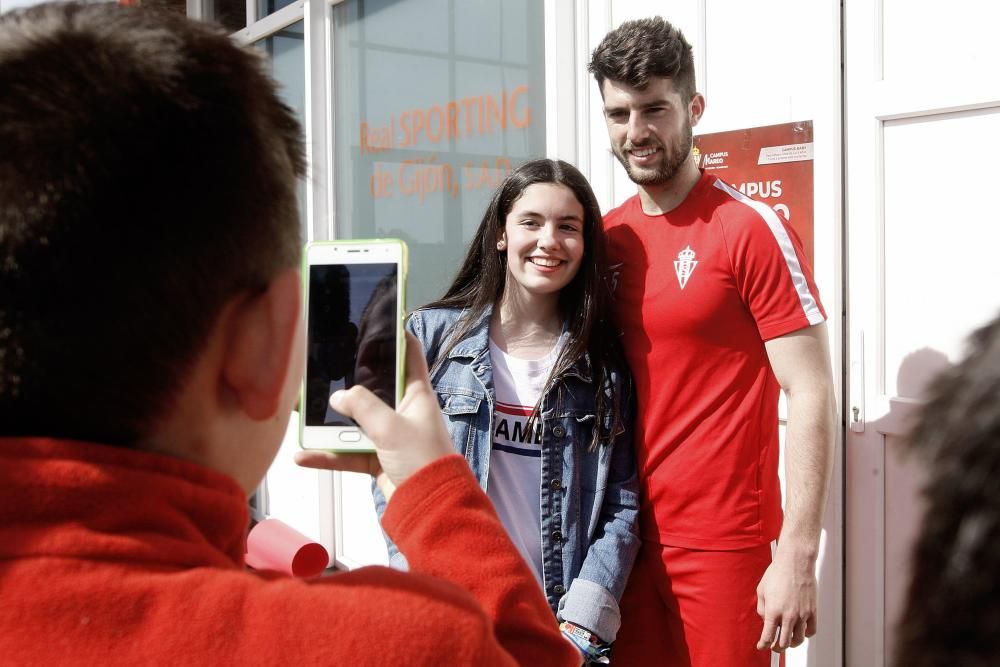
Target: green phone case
(400,330)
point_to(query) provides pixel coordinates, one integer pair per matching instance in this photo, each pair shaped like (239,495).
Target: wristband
(590,647)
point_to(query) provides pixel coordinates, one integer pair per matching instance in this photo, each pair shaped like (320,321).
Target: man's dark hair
(147,176)
(638,51)
(952,616)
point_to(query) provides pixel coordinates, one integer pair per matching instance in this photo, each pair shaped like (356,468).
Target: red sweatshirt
(114,556)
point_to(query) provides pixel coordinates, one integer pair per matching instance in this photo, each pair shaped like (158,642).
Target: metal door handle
(857,381)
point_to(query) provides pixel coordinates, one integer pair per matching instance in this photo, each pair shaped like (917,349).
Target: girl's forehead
(545,194)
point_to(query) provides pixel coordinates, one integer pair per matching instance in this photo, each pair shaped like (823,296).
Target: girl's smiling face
(543,234)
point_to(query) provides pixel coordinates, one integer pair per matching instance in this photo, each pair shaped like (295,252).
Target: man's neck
(665,197)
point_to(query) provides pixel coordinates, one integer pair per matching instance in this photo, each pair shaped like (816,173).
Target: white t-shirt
(515,475)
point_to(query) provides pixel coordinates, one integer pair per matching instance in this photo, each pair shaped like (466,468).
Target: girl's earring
(501,245)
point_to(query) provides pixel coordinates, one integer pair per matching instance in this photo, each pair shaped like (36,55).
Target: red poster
(773,164)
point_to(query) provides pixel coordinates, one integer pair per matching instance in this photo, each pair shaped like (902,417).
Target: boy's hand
(405,440)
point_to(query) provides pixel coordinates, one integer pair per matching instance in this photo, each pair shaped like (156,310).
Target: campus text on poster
(773,164)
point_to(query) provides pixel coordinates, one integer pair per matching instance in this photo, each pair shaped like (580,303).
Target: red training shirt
(698,291)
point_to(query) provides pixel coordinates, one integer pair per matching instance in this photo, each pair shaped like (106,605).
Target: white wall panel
(922,112)
(356,518)
(939,270)
(941,237)
(767,62)
(685,14)
(927,39)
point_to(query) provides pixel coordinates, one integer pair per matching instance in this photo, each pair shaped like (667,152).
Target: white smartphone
(355,295)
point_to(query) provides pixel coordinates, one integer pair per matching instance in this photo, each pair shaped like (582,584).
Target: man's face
(650,128)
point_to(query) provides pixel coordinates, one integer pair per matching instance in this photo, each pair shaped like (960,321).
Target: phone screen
(353,321)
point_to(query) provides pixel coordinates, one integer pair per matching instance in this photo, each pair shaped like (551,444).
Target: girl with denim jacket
(533,384)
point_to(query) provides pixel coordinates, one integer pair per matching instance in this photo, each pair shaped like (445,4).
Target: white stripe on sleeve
(806,298)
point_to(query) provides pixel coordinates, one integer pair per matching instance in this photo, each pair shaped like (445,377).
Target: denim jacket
(589,499)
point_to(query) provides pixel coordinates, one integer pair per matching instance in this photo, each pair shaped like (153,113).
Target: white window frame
(316,19)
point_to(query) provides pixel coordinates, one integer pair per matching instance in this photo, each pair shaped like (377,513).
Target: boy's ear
(262,337)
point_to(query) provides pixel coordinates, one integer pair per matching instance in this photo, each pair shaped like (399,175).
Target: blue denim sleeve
(396,559)
(592,599)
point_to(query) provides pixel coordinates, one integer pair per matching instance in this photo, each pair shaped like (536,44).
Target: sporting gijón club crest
(684,265)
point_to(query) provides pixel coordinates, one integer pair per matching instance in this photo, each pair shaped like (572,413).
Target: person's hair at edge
(147,176)
(951,616)
(584,304)
(638,51)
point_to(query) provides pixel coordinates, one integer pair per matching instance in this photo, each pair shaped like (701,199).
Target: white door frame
(873,412)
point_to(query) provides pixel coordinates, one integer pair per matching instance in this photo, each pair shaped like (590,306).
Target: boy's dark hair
(638,51)
(147,176)
(952,616)
(584,304)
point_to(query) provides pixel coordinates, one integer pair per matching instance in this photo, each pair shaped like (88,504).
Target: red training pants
(692,608)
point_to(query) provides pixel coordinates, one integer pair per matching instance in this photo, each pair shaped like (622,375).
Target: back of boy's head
(147,177)
(951,615)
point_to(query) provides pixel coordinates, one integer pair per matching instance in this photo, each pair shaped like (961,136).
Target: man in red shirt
(150,355)
(719,313)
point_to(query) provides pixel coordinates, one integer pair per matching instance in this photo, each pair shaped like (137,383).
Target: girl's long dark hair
(584,304)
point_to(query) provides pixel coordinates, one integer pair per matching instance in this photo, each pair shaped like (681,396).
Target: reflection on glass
(173,6)
(436,102)
(375,365)
(232,14)
(352,336)
(265,7)
(332,340)
(286,49)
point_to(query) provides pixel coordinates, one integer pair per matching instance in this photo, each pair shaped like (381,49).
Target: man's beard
(673,158)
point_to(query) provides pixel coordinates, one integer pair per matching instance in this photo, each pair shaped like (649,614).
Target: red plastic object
(274,545)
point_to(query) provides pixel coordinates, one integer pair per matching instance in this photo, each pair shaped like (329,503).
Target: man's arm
(786,595)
